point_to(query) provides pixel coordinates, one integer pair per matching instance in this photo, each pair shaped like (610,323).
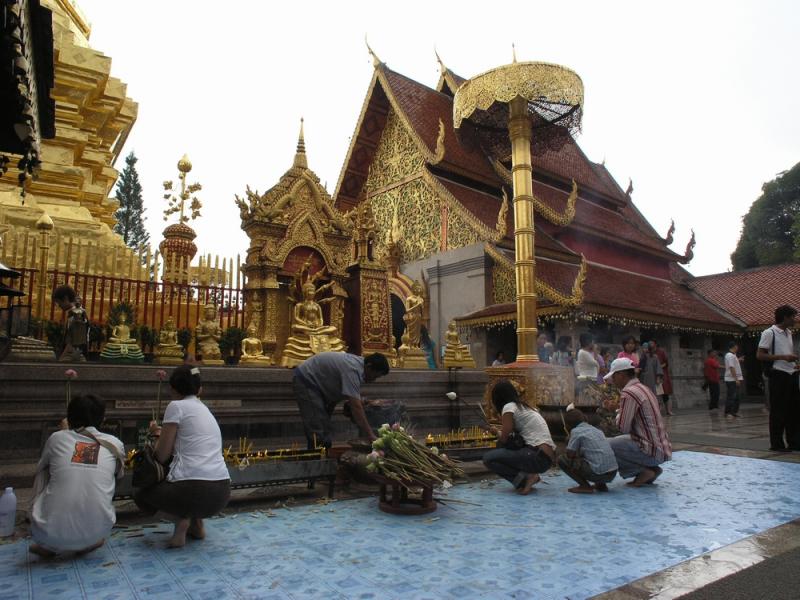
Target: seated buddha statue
(168,350)
(207,335)
(456,354)
(309,334)
(253,351)
(121,347)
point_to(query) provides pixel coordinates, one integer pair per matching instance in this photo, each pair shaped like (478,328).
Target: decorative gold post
(45,226)
(513,109)
(519,130)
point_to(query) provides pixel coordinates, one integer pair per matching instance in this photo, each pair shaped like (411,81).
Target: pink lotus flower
(396,427)
(71,374)
(161,374)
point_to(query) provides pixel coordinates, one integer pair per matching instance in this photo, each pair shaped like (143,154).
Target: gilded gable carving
(419,215)
(396,157)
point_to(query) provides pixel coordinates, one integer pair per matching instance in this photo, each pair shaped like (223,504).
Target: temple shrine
(600,266)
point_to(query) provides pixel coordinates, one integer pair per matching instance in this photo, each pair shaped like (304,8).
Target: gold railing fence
(103,276)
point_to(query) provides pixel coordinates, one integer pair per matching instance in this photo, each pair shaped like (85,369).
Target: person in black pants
(776,349)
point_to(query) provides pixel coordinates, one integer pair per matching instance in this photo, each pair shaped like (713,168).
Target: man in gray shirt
(328,378)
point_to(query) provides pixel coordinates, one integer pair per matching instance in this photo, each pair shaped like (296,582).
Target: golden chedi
(121,347)
(168,351)
(456,354)
(253,351)
(309,334)
(207,336)
(413,356)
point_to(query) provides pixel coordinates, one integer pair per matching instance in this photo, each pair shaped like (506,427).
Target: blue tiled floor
(545,546)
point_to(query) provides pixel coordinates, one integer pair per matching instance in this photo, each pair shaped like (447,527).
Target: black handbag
(147,471)
(514,441)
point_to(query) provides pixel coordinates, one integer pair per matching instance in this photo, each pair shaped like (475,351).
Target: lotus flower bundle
(396,455)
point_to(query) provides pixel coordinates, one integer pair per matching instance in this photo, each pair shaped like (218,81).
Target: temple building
(93,117)
(443,202)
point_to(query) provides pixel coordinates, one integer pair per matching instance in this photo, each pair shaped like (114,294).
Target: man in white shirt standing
(776,347)
(733,381)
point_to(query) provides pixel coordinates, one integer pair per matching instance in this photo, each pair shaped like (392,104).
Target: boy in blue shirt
(589,458)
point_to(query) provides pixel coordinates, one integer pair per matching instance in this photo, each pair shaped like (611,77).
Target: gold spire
(376,62)
(513,53)
(300,156)
(442,67)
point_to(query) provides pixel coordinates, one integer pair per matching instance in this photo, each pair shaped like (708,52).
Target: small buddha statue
(413,315)
(121,347)
(309,334)
(456,354)
(168,351)
(253,351)
(409,357)
(207,336)
(76,329)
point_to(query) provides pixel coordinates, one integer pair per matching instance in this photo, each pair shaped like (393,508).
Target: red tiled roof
(424,106)
(590,215)
(486,206)
(570,162)
(752,295)
(614,289)
(621,293)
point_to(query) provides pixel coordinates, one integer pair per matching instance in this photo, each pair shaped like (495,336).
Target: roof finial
(376,62)
(513,52)
(300,156)
(442,66)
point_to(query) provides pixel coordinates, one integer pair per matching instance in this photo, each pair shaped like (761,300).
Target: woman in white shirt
(72,508)
(519,466)
(198,483)
(586,365)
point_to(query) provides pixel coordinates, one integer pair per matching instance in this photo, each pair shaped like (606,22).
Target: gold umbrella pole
(519,130)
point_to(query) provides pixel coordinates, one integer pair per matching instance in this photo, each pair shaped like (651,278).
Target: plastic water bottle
(8,512)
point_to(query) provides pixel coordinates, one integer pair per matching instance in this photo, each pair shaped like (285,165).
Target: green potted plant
(185,337)
(230,345)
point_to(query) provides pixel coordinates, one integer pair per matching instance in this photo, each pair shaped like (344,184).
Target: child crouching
(589,458)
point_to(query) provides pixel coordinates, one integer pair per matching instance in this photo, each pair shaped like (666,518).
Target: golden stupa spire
(300,156)
(376,62)
(513,53)
(442,66)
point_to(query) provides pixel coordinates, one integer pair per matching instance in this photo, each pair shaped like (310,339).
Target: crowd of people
(592,362)
(72,508)
(591,459)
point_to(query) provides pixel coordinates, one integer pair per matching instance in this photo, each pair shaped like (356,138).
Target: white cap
(619,364)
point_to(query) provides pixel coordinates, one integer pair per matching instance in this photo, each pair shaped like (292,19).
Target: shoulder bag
(147,471)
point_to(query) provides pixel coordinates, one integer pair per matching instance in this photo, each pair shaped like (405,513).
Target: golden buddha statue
(207,335)
(253,351)
(456,354)
(168,351)
(310,335)
(413,315)
(409,354)
(121,347)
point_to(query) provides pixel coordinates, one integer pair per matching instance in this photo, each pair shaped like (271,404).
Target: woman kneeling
(198,484)
(72,509)
(519,466)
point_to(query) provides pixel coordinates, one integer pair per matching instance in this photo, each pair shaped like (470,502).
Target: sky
(696,102)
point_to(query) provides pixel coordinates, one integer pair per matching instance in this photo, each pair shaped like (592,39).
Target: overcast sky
(696,101)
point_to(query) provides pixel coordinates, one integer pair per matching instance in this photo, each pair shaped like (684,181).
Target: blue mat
(548,545)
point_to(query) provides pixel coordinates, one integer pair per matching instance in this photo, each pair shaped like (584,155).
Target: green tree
(771,228)
(130,215)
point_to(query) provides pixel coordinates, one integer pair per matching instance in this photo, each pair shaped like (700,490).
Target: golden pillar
(514,110)
(519,131)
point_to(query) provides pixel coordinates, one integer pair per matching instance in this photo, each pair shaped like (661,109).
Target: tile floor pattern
(491,544)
